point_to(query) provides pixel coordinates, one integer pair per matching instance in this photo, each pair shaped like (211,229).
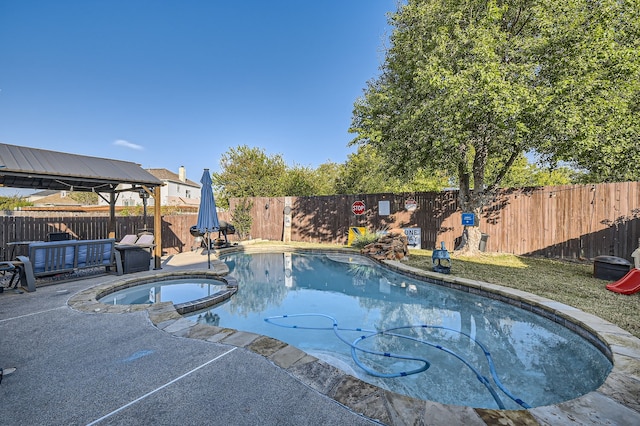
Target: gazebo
(32,168)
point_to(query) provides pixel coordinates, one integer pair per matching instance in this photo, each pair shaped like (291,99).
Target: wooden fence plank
(571,221)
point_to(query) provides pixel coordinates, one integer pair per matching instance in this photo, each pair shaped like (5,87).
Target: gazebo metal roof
(22,167)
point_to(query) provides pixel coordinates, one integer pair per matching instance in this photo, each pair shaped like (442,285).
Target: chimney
(182,174)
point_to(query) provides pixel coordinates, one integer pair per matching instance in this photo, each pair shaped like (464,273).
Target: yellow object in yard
(355,232)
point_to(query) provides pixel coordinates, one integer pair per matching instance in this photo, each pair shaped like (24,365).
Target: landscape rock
(391,246)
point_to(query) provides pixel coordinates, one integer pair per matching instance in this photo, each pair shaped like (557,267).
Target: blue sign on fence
(468,219)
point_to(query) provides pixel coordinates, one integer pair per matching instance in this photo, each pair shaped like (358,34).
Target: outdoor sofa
(58,257)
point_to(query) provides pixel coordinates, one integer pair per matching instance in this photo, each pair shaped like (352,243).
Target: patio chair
(128,239)
(14,268)
(144,240)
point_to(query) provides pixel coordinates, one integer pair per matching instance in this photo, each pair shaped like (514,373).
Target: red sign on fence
(410,204)
(358,207)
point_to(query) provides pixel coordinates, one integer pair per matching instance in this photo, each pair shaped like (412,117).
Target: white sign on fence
(384,208)
(414,237)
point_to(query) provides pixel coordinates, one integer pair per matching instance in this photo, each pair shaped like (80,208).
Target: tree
(364,172)
(249,172)
(300,181)
(367,172)
(475,83)
(12,202)
(85,198)
(592,66)
(326,177)
(523,173)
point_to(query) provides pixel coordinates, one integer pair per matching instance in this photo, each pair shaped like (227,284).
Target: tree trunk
(471,200)
(472,235)
(471,241)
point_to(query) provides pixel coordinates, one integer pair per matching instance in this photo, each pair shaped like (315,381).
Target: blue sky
(169,83)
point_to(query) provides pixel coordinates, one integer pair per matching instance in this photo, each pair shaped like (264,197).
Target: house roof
(56,199)
(168,175)
(42,194)
(22,167)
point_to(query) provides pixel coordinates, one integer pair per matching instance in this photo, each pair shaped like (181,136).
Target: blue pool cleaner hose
(425,363)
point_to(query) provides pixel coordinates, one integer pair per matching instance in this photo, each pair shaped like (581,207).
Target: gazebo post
(111,232)
(157,228)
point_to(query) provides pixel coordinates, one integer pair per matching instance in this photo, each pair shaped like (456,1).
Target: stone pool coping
(182,308)
(615,402)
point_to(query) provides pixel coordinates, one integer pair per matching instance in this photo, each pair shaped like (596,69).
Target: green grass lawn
(566,282)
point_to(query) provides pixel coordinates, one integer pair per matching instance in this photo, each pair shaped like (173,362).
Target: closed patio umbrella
(207,213)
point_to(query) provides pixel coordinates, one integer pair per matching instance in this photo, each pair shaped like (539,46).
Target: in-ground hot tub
(188,293)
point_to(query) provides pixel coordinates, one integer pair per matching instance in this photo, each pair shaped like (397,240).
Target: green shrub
(242,219)
(13,202)
(365,239)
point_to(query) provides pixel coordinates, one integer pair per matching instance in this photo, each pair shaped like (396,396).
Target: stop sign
(358,207)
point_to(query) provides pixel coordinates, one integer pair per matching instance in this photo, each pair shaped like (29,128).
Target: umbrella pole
(208,250)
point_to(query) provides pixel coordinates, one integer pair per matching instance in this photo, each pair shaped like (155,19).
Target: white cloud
(127,144)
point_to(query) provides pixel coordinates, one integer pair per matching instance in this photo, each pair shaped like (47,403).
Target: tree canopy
(367,172)
(249,172)
(468,86)
(590,68)
(13,202)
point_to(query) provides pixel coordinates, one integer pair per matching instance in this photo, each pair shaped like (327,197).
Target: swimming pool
(459,335)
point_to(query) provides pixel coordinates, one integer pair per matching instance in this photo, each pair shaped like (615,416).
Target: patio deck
(82,362)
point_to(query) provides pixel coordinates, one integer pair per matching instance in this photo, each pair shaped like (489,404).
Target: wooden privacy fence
(572,221)
(36,226)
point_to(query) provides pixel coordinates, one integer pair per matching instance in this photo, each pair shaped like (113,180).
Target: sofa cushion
(51,257)
(94,252)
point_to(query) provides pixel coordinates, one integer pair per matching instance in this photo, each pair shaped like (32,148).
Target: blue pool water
(177,291)
(474,351)
(536,360)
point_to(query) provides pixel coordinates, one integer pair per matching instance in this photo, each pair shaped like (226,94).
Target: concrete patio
(82,362)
